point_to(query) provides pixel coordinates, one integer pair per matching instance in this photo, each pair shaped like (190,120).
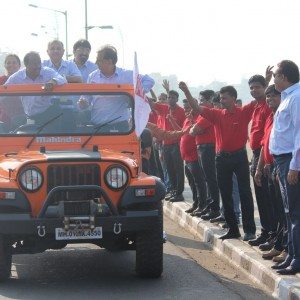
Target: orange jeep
(65,179)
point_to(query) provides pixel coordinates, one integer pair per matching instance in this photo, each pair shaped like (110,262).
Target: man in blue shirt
(285,147)
(81,51)
(37,107)
(103,108)
(67,69)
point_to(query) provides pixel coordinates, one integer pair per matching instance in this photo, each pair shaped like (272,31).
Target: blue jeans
(290,196)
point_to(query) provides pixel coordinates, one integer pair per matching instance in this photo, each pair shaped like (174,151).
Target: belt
(231,153)
(283,155)
(208,145)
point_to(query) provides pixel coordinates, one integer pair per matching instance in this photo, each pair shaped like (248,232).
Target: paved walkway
(237,252)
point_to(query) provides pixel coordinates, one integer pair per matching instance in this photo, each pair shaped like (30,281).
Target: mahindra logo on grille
(55,139)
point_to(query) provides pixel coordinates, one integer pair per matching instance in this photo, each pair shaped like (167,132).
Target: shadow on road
(79,273)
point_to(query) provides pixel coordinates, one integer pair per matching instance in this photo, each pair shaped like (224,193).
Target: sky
(199,41)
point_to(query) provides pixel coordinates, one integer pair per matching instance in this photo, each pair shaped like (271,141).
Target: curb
(237,252)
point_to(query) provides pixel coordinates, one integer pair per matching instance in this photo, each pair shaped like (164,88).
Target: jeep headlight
(116,177)
(31,179)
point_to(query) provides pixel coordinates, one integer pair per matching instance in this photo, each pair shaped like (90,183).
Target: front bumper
(24,224)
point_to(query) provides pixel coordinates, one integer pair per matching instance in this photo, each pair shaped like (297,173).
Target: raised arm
(269,74)
(153,95)
(192,101)
(166,86)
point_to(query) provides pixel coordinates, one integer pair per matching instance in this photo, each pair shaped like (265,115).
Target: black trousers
(197,183)
(207,160)
(265,204)
(226,165)
(279,216)
(174,165)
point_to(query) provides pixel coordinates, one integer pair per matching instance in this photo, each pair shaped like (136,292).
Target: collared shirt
(66,68)
(103,108)
(86,69)
(285,134)
(153,117)
(208,136)
(188,148)
(261,112)
(177,113)
(268,158)
(231,127)
(35,104)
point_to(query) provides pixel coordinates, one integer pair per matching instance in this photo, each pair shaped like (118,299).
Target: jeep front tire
(149,249)
(5,259)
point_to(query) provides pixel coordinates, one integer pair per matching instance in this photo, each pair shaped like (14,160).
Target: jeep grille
(66,175)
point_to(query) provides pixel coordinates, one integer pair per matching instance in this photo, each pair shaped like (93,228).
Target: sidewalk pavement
(236,252)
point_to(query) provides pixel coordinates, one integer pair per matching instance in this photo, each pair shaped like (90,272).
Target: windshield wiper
(41,128)
(97,128)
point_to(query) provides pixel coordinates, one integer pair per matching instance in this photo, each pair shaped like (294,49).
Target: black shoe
(177,198)
(225,226)
(258,241)
(198,213)
(197,210)
(230,235)
(248,236)
(191,209)
(168,196)
(218,219)
(210,215)
(282,265)
(267,246)
(288,271)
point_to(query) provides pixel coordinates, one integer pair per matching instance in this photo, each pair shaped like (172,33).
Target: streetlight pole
(65,13)
(86,27)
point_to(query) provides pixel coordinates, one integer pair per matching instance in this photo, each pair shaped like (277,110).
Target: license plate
(78,234)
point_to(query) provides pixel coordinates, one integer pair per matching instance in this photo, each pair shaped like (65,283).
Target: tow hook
(117,228)
(41,230)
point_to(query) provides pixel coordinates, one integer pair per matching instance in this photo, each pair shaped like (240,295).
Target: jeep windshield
(58,113)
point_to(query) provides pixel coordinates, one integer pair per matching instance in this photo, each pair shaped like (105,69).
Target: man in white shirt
(37,107)
(67,69)
(285,147)
(81,51)
(103,108)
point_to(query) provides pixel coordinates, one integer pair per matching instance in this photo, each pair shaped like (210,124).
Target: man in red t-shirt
(231,131)
(205,140)
(257,84)
(171,150)
(265,168)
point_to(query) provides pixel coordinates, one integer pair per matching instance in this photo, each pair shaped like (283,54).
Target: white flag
(142,108)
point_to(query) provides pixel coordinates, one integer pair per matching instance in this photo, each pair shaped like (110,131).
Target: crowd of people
(205,140)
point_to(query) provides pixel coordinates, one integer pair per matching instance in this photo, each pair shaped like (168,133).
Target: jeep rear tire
(149,249)
(5,259)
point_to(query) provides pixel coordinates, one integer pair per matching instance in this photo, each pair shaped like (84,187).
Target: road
(191,271)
